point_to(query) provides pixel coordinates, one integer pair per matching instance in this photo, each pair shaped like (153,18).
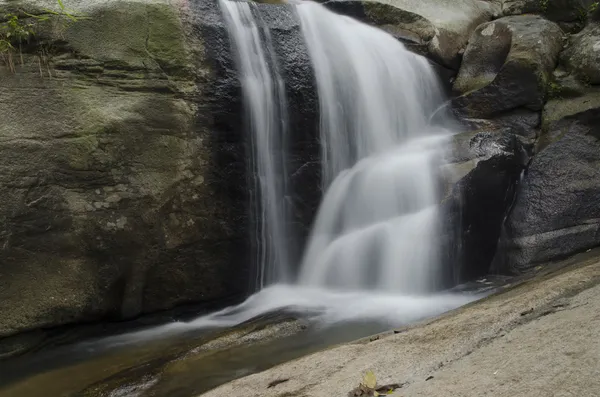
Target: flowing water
(373,255)
(266,114)
(373,251)
(378,222)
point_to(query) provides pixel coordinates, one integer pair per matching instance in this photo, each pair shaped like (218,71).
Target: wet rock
(507,66)
(125,186)
(556,209)
(483,173)
(303,144)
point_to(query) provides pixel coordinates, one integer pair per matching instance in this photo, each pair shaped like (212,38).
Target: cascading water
(372,253)
(377,224)
(266,113)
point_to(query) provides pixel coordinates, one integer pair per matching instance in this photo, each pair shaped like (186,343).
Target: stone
(582,56)
(556,211)
(483,171)
(569,13)
(125,184)
(507,66)
(478,360)
(101,142)
(438,29)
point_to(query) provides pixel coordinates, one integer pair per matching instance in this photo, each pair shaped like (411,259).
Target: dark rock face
(302,147)
(570,14)
(484,171)
(556,212)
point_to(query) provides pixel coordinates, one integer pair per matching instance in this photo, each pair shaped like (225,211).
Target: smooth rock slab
(536,339)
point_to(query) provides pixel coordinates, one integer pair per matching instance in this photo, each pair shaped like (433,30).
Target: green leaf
(60,3)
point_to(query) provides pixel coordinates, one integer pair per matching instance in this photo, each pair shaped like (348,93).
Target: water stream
(373,253)
(266,114)
(377,225)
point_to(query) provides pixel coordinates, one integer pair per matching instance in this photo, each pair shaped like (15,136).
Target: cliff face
(124,183)
(122,190)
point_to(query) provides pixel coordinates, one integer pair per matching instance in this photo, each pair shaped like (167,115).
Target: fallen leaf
(369,380)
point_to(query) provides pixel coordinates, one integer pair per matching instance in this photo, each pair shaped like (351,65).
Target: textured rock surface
(507,66)
(439,29)
(304,154)
(571,13)
(556,211)
(115,199)
(582,56)
(483,173)
(124,181)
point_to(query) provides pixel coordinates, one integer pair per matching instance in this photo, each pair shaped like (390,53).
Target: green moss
(165,40)
(129,35)
(554,90)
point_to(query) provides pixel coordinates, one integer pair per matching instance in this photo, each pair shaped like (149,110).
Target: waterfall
(266,114)
(372,254)
(378,223)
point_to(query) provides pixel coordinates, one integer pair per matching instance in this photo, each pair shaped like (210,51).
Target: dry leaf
(369,380)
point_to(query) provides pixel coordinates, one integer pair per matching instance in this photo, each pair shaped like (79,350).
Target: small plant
(554,90)
(369,388)
(13,33)
(16,31)
(584,13)
(544,5)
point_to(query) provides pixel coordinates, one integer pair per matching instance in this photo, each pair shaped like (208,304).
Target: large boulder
(507,66)
(582,56)
(438,29)
(483,171)
(118,196)
(556,210)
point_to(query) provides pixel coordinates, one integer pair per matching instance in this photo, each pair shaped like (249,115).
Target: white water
(378,222)
(323,308)
(372,253)
(266,113)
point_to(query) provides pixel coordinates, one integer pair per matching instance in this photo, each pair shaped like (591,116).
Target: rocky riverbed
(539,338)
